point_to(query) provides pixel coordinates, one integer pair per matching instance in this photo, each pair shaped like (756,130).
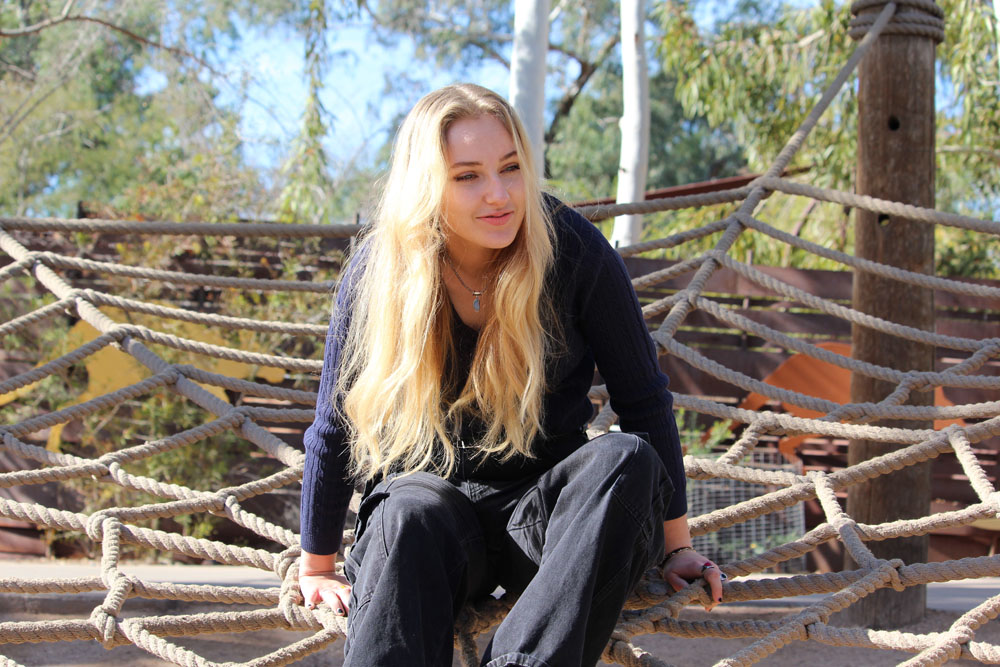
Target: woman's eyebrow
(473,163)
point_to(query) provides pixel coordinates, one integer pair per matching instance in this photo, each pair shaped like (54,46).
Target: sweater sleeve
(613,325)
(326,491)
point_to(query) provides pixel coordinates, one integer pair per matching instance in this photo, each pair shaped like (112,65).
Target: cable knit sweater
(600,322)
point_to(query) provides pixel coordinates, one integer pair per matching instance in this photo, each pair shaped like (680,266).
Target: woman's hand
(328,587)
(687,565)
(319,582)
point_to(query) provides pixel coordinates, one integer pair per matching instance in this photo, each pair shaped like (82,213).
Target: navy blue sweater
(600,322)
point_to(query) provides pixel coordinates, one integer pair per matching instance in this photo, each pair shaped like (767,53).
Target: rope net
(654,607)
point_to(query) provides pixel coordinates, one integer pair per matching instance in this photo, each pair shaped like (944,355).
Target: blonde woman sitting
(460,353)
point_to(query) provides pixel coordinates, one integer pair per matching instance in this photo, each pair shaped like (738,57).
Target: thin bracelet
(317,573)
(674,553)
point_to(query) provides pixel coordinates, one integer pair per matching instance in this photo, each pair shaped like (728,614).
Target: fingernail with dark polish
(340,611)
(719,599)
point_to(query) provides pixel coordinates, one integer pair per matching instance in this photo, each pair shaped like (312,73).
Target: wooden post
(895,161)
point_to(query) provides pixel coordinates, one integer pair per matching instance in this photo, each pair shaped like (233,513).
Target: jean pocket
(528,523)
(368,504)
(661,500)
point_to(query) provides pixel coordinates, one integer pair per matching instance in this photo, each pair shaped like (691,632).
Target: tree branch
(23,73)
(64,17)
(587,70)
(441,25)
(972,150)
(41,25)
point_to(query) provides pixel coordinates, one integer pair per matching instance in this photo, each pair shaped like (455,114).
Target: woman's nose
(496,190)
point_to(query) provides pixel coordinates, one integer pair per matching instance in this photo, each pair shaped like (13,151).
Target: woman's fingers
(337,597)
(688,566)
(676,581)
(330,588)
(713,576)
(344,594)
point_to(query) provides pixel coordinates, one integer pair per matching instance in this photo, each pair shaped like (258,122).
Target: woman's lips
(497,218)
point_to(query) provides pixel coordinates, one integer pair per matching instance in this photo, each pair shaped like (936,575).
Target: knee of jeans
(643,486)
(629,449)
(421,509)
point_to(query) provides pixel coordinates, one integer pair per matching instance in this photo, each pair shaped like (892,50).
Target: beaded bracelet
(674,553)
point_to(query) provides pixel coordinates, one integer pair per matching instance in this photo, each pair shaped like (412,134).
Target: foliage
(583,158)
(462,35)
(203,465)
(696,439)
(762,76)
(23,348)
(119,104)
(449,32)
(308,194)
(124,118)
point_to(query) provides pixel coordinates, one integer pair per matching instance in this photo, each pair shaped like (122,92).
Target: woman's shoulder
(574,235)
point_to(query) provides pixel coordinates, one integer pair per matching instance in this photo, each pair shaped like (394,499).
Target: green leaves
(308,192)
(761,78)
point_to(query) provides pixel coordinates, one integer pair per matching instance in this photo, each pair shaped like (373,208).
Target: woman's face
(483,200)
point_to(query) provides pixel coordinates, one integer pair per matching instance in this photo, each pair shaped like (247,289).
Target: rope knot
(240,415)
(917,382)
(172,375)
(33,258)
(285,560)
(852,412)
(767,422)
(122,331)
(290,597)
(921,18)
(77,293)
(894,578)
(111,462)
(95,524)
(106,623)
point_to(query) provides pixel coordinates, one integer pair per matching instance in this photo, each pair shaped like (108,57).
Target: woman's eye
(512,167)
(465,177)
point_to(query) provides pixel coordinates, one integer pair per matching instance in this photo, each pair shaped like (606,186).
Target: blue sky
(353,93)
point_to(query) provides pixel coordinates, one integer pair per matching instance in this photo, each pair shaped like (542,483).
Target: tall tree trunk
(996,27)
(527,70)
(634,162)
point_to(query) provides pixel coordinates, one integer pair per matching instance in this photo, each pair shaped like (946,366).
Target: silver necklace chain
(475,293)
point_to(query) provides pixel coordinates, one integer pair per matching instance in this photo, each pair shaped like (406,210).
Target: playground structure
(654,607)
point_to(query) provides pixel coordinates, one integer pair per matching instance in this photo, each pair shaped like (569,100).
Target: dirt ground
(675,651)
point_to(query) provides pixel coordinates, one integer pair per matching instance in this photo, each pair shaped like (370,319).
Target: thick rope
(654,607)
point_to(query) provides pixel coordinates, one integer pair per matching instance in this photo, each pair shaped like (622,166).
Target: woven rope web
(654,607)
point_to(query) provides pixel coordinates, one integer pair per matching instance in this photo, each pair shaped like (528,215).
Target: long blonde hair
(399,407)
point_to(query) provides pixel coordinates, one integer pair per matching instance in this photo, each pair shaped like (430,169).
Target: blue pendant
(475,304)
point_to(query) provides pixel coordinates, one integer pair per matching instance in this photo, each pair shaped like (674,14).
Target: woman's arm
(326,491)
(684,565)
(319,582)
(612,323)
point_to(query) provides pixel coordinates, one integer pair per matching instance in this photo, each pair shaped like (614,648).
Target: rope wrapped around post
(913,17)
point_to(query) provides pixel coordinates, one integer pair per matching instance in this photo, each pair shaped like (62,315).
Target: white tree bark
(634,162)
(527,70)
(996,25)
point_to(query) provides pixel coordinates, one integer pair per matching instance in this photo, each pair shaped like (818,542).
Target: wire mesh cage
(752,536)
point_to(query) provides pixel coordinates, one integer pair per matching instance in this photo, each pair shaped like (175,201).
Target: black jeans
(572,541)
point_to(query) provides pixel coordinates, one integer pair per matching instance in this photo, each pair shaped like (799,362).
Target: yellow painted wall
(110,369)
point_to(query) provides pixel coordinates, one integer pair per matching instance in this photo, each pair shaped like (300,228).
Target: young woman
(454,386)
